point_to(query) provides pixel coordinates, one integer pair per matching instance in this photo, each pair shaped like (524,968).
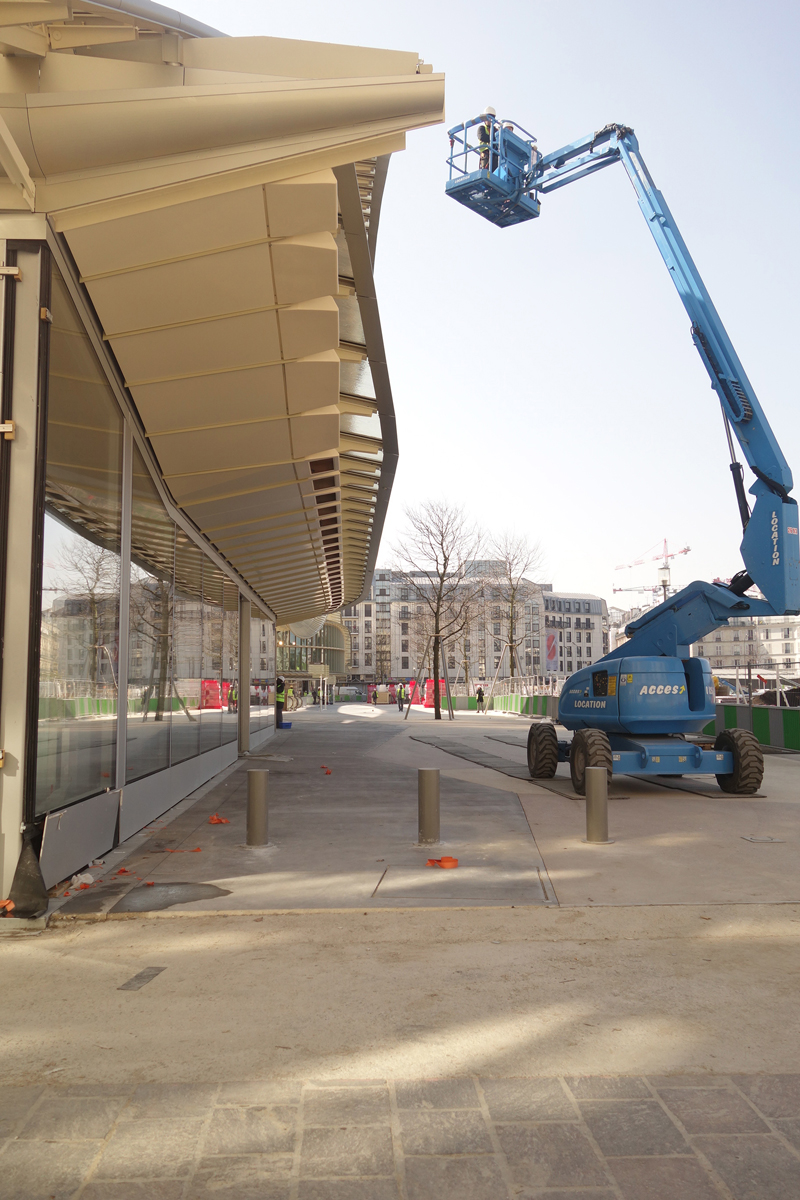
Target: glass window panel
(351,328)
(150,682)
(355,379)
(345,265)
(187,648)
(79,645)
(214,691)
(230,661)
(258,672)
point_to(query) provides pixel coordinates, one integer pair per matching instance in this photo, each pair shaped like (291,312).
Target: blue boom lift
(631,710)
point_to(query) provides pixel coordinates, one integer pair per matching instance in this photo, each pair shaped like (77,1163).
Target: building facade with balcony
(389,633)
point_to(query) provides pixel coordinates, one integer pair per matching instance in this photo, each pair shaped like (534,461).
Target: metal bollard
(428,794)
(257,808)
(597,807)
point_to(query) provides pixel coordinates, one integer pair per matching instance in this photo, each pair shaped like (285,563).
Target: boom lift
(631,710)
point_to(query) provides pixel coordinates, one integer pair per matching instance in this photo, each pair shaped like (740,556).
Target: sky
(544,376)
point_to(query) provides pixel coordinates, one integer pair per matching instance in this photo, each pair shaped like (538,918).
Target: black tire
(590,748)
(748,762)
(542,750)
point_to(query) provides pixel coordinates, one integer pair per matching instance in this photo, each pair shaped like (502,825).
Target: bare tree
(512,560)
(90,572)
(433,561)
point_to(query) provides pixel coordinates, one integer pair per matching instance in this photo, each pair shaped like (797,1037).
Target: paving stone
(527,1100)
(154,1189)
(170,1100)
(701,1081)
(267,1091)
(356,1150)
(712,1111)
(565,1194)
(774,1095)
(348,1189)
(15,1102)
(26,1173)
(150,1149)
(257,1130)
(444,1133)
(346,1106)
(93,1089)
(754,1166)
(663,1179)
(340,1083)
(607,1087)
(267,1166)
(478,1178)
(790,1129)
(632,1127)
(437,1093)
(72,1118)
(550,1155)
(246,1177)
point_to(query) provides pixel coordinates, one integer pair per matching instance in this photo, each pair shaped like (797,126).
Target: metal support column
(124,604)
(243,683)
(22,405)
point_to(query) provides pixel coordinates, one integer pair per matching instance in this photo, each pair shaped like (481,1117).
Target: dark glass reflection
(150,684)
(79,644)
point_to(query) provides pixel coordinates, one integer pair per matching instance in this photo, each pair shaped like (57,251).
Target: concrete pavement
(287,1035)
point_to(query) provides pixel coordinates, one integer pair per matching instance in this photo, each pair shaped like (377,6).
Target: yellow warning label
(630,679)
(612,686)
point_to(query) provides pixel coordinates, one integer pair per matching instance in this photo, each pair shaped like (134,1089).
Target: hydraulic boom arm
(770,547)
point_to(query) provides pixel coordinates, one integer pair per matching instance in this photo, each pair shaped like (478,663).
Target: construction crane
(631,710)
(663,571)
(664,557)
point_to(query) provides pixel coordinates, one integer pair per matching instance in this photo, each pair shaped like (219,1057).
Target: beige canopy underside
(192,181)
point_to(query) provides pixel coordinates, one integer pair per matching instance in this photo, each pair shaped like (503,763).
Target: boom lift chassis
(631,710)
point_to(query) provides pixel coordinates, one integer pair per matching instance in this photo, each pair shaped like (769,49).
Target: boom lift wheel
(590,748)
(542,750)
(748,761)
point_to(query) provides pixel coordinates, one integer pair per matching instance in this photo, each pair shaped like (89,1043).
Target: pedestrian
(401,695)
(280,700)
(375,695)
(485,139)
(479,697)
(314,695)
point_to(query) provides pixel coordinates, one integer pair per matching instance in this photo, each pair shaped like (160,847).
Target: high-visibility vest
(280,694)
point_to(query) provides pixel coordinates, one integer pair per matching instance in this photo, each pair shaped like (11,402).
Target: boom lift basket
(493,178)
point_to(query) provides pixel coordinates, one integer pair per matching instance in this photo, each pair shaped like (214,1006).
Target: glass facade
(323,654)
(79,641)
(262,670)
(182,612)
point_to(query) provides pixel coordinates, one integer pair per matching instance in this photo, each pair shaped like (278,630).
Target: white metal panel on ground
(74,836)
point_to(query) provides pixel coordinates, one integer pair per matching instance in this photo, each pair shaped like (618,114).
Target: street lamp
(663,579)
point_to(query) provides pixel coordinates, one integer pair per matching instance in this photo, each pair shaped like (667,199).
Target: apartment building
(760,643)
(553,633)
(576,631)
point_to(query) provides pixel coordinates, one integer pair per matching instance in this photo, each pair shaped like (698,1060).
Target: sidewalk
(338,840)
(329,1019)
(470,1138)
(348,838)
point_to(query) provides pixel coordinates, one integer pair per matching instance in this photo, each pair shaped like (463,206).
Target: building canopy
(218,199)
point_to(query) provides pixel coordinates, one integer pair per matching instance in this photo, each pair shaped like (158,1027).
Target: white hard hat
(489,112)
